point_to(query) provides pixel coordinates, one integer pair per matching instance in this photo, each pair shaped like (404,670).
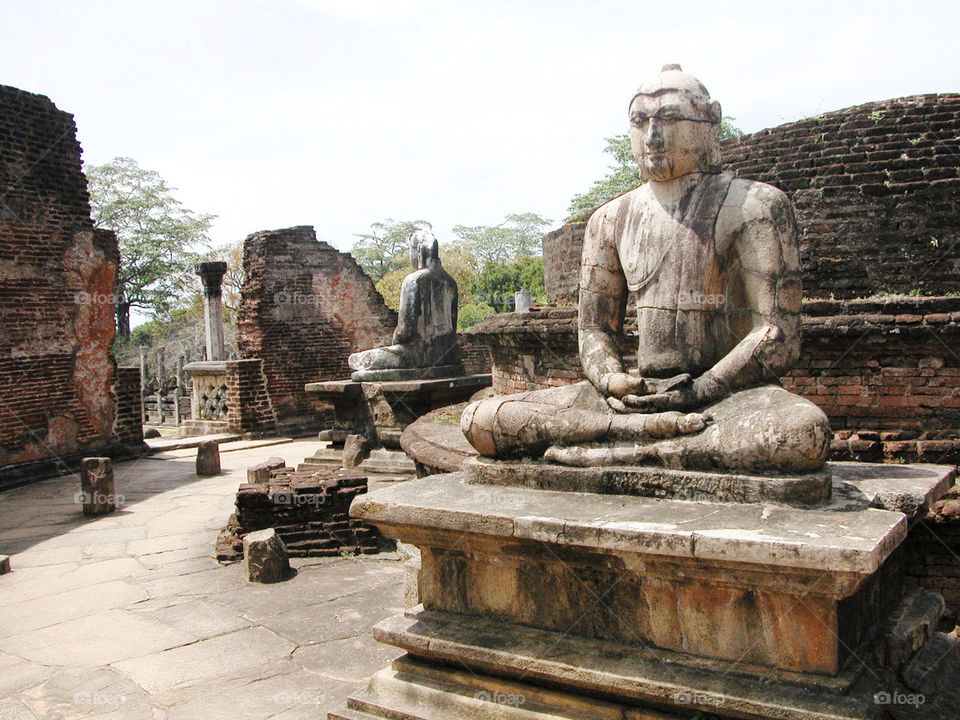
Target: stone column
(211,274)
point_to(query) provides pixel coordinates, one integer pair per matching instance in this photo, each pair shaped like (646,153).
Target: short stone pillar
(4,564)
(265,557)
(208,458)
(211,274)
(522,300)
(97,491)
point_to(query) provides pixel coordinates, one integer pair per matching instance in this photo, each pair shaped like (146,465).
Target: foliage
(624,175)
(498,281)
(389,286)
(517,236)
(472,313)
(386,247)
(464,267)
(155,232)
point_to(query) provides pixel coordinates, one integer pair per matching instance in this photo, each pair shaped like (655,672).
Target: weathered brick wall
(57,373)
(129,421)
(249,410)
(474,354)
(561,263)
(876,188)
(304,308)
(933,548)
(886,372)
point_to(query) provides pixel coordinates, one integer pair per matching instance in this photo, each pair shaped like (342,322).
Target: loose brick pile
(304,308)
(876,188)
(309,510)
(62,396)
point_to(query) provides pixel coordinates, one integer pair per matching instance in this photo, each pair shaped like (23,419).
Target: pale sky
(338,113)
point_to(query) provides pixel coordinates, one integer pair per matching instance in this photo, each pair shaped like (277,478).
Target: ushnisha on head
(674,126)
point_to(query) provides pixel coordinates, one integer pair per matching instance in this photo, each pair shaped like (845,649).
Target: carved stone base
(381,410)
(545,604)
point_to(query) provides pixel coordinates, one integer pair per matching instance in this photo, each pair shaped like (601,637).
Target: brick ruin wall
(62,395)
(876,189)
(474,353)
(304,308)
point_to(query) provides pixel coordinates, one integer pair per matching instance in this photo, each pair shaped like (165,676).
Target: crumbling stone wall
(876,189)
(304,308)
(57,374)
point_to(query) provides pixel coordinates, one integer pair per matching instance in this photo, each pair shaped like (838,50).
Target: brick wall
(304,308)
(128,425)
(474,353)
(249,410)
(876,188)
(57,373)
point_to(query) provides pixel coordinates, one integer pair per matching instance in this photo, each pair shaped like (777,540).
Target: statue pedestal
(562,604)
(381,410)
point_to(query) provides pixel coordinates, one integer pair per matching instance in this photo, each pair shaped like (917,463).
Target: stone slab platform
(768,585)
(437,371)
(459,667)
(836,538)
(416,384)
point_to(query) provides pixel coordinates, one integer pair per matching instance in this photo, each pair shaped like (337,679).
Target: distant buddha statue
(714,263)
(425,341)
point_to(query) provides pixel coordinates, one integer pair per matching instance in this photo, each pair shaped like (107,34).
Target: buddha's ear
(434,250)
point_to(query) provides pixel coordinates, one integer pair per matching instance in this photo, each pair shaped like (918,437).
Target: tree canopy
(385,248)
(156,235)
(519,235)
(623,174)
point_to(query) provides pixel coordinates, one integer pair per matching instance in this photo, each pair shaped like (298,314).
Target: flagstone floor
(129,616)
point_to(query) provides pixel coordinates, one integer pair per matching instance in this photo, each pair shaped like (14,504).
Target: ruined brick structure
(307,506)
(62,395)
(304,308)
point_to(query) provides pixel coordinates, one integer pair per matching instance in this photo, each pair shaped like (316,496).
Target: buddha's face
(669,137)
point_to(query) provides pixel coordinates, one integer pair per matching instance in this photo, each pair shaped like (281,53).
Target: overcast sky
(338,113)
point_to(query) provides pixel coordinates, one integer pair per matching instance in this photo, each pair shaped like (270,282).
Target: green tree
(623,174)
(519,235)
(155,232)
(385,248)
(499,280)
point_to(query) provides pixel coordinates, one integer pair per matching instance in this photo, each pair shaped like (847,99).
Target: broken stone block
(208,458)
(97,492)
(355,450)
(261,473)
(910,626)
(4,564)
(265,557)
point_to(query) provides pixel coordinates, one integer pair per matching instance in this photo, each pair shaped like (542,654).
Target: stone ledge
(838,540)
(541,659)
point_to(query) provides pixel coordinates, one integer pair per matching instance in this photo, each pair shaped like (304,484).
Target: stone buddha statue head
(674,126)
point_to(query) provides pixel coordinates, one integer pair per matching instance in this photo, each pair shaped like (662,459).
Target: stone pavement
(128,616)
